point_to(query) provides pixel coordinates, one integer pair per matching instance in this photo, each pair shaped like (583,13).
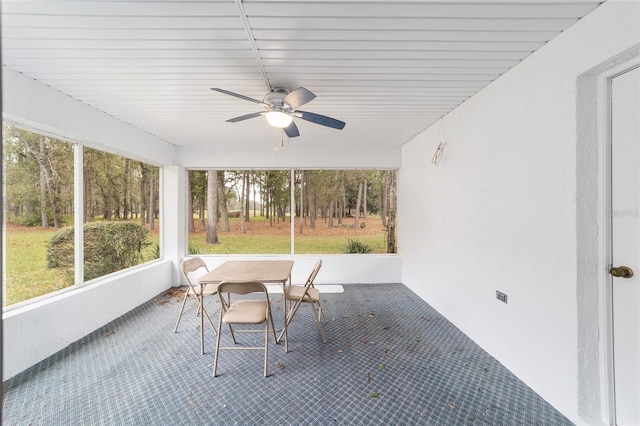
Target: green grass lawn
(26,274)
(280,244)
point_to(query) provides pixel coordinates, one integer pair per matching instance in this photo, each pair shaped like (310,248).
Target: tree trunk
(391,224)
(254,200)
(87,193)
(212,207)
(301,200)
(203,223)
(108,197)
(364,201)
(222,203)
(330,214)
(355,223)
(385,198)
(313,210)
(44,216)
(247,193)
(190,222)
(57,208)
(143,193)
(125,184)
(152,204)
(243,228)
(343,205)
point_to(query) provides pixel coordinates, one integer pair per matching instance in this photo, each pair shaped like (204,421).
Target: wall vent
(501,296)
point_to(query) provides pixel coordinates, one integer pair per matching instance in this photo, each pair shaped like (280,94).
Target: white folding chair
(190,266)
(247,311)
(307,293)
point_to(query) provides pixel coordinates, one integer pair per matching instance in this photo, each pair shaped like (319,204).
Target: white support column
(173,214)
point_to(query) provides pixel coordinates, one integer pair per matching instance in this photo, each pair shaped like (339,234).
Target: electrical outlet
(501,296)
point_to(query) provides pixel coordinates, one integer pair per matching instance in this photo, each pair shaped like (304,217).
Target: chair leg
(217,353)
(266,348)
(288,319)
(315,314)
(233,336)
(209,318)
(184,301)
(273,328)
(321,313)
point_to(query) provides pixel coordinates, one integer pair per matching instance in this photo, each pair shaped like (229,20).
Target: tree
(212,208)
(198,183)
(247,193)
(35,161)
(152,204)
(391,222)
(301,214)
(44,183)
(222,202)
(355,223)
(191,226)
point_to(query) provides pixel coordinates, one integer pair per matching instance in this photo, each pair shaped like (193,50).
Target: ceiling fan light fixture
(279,119)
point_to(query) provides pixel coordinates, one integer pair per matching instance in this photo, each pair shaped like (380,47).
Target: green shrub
(155,252)
(108,247)
(355,246)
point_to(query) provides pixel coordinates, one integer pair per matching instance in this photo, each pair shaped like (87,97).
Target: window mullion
(78,213)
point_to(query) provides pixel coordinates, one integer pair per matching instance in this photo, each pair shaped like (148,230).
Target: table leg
(201,319)
(284,309)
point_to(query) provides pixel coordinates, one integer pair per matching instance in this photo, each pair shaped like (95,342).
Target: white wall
(38,330)
(336,268)
(291,156)
(499,213)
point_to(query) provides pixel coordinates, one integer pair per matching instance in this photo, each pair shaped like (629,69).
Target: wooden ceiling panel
(442,9)
(388,68)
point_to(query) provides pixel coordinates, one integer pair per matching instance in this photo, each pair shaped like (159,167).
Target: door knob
(621,272)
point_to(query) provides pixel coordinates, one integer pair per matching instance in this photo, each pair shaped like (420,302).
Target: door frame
(604,93)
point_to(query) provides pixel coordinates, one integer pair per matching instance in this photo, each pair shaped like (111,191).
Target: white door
(625,243)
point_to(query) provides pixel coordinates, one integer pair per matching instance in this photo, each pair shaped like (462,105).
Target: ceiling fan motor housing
(276,98)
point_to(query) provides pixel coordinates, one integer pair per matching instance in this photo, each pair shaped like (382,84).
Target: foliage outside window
(120,214)
(334,211)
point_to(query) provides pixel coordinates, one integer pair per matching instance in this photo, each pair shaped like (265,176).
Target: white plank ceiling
(389,69)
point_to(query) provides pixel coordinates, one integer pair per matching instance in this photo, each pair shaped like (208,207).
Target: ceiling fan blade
(246,117)
(237,95)
(322,120)
(292,130)
(298,97)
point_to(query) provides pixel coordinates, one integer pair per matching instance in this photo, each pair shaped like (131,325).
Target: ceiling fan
(281,106)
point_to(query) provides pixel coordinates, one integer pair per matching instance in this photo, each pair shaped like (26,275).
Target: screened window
(292,211)
(119,213)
